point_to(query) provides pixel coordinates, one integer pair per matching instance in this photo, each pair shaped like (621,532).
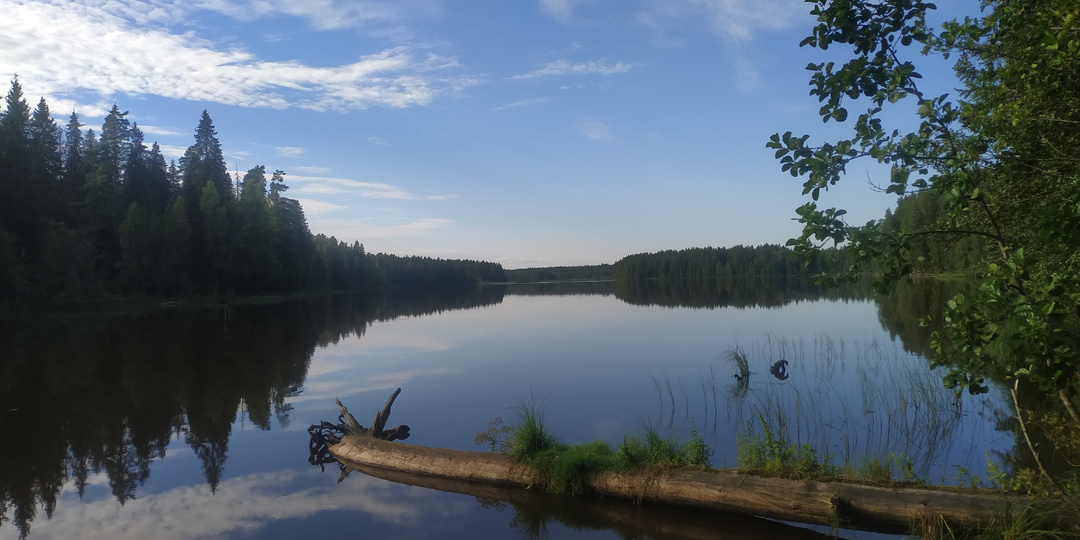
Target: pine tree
(277,186)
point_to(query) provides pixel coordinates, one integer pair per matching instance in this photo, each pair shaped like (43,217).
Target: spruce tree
(74,168)
(16,215)
(203,162)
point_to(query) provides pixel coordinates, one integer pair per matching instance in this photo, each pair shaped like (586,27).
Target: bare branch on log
(382,416)
(349,421)
(325,434)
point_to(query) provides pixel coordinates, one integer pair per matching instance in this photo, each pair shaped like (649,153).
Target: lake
(193,423)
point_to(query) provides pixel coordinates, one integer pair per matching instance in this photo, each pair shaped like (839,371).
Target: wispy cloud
(564,67)
(523,103)
(91,47)
(736,23)
(560,10)
(157,130)
(322,14)
(359,229)
(368,190)
(378,141)
(313,207)
(597,131)
(172,151)
(290,151)
(733,20)
(312,169)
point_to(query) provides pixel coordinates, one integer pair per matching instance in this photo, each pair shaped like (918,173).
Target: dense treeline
(560,273)
(425,272)
(709,262)
(924,217)
(87,215)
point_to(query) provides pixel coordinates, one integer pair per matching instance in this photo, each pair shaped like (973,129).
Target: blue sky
(525,132)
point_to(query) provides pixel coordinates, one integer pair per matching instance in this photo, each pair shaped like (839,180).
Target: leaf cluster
(1002,158)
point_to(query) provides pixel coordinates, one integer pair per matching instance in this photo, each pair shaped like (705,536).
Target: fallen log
(834,504)
(535,508)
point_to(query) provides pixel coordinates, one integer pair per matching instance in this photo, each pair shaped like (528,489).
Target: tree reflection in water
(90,395)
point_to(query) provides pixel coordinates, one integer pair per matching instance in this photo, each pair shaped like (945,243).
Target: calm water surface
(193,424)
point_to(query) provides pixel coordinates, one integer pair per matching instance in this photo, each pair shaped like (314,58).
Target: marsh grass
(530,437)
(1042,520)
(737,356)
(761,452)
(654,450)
(563,468)
(865,408)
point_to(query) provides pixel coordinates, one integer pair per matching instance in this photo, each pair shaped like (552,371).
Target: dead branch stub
(325,434)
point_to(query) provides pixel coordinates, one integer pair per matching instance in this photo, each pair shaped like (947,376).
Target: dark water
(192,424)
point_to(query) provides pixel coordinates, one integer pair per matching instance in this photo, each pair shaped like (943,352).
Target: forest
(88,215)
(560,273)
(709,262)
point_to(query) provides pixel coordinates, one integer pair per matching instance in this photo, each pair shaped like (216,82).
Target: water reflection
(108,395)
(902,311)
(533,511)
(90,407)
(733,292)
(253,506)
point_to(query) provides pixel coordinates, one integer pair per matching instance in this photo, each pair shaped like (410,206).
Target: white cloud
(560,10)
(171,151)
(61,108)
(62,47)
(322,14)
(733,20)
(737,23)
(523,103)
(157,130)
(378,141)
(290,151)
(312,169)
(368,190)
(597,131)
(313,207)
(740,19)
(362,230)
(564,67)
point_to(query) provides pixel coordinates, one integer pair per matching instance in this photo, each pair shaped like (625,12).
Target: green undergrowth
(564,469)
(761,452)
(1051,511)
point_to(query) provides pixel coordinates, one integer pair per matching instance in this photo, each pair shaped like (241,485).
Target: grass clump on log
(563,468)
(765,454)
